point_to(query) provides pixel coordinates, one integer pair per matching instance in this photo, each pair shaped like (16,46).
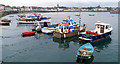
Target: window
(97,26)
(102,27)
(106,27)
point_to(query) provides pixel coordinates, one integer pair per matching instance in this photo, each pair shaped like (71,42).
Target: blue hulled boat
(4,23)
(102,31)
(85,51)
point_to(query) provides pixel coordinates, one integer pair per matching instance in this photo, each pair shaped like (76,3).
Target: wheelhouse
(101,28)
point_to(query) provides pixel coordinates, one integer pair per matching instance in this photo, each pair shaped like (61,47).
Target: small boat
(85,51)
(38,28)
(77,14)
(45,28)
(102,31)
(21,15)
(68,28)
(28,33)
(49,29)
(6,20)
(4,23)
(44,17)
(91,14)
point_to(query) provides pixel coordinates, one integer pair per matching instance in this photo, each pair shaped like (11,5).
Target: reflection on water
(100,45)
(64,43)
(86,61)
(38,35)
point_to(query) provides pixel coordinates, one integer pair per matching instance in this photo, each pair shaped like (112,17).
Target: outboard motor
(45,24)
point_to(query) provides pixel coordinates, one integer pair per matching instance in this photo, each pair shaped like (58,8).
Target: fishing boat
(50,29)
(28,33)
(91,14)
(33,17)
(102,31)
(33,21)
(85,51)
(68,29)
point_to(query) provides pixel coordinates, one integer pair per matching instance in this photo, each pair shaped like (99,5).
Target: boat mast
(79,17)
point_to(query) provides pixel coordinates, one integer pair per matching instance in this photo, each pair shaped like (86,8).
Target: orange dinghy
(28,33)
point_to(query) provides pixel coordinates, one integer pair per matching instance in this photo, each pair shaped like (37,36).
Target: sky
(68,3)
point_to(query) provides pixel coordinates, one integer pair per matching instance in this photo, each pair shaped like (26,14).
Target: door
(102,29)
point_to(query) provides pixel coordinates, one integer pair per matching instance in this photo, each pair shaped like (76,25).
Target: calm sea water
(45,48)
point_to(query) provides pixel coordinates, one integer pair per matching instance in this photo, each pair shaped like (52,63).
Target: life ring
(77,25)
(65,31)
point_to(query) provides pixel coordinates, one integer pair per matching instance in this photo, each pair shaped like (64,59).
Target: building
(2,7)
(102,9)
(8,8)
(34,8)
(22,8)
(27,8)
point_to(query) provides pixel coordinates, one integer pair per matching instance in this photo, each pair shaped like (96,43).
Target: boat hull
(4,23)
(65,35)
(95,38)
(85,51)
(84,57)
(28,33)
(33,22)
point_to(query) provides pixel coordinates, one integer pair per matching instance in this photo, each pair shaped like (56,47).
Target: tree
(98,6)
(91,8)
(7,5)
(62,7)
(14,7)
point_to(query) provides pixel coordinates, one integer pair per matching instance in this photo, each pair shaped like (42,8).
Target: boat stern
(83,57)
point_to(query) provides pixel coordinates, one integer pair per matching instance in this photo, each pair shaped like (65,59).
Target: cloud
(72,3)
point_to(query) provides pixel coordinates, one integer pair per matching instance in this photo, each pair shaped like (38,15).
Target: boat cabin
(66,28)
(69,21)
(102,28)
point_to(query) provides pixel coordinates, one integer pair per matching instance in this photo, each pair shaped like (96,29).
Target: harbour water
(45,48)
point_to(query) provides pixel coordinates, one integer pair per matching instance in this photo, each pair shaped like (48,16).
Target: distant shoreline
(14,12)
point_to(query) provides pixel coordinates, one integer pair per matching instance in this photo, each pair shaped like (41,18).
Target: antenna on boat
(69,17)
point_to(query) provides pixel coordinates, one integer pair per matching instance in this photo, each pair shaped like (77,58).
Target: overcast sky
(69,3)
